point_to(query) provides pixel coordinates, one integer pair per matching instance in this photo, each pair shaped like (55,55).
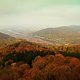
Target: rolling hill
(60,35)
(6,39)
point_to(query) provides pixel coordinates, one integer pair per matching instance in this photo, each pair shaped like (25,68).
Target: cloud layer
(41,13)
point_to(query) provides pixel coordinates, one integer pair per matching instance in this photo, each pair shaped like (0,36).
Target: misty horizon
(39,14)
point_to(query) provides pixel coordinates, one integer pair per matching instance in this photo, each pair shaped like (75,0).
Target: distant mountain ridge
(61,35)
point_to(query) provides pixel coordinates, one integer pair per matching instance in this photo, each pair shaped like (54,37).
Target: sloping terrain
(60,35)
(6,39)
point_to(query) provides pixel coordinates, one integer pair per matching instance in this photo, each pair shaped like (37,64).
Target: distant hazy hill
(17,31)
(62,35)
(6,39)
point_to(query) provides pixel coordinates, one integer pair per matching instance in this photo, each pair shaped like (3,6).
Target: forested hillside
(60,35)
(6,39)
(29,61)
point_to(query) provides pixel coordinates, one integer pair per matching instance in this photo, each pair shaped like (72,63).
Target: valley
(35,56)
(39,39)
(50,36)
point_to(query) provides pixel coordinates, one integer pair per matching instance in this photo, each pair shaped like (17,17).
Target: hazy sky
(39,13)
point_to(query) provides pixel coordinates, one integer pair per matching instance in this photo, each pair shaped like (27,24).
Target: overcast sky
(39,13)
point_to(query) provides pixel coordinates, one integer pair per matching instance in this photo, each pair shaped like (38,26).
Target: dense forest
(30,61)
